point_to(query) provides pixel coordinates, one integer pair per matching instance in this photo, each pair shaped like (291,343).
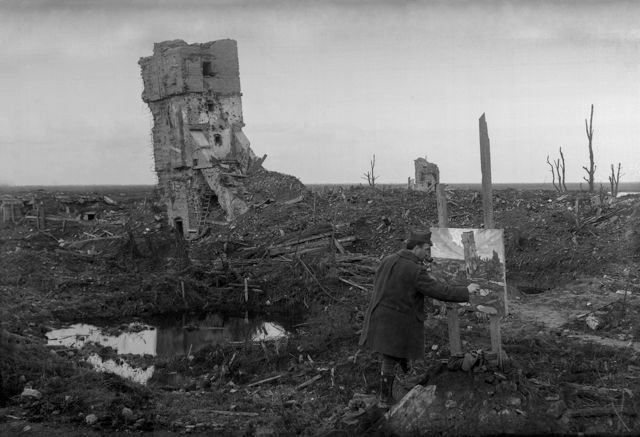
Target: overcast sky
(326,85)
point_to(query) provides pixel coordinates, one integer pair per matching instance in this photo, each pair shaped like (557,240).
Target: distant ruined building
(201,154)
(427,175)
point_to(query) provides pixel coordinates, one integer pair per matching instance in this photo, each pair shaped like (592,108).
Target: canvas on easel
(461,256)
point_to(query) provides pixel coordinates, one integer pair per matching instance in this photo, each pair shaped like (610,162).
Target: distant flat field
(118,193)
(571,186)
(129,189)
(99,189)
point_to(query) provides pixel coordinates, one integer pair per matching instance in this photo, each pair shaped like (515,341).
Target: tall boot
(386,388)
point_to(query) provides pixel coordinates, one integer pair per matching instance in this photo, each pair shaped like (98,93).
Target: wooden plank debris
(353,284)
(235,413)
(309,244)
(262,381)
(308,383)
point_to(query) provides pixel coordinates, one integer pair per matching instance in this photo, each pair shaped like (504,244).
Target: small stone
(264,431)
(514,401)
(31,393)
(556,409)
(91,419)
(593,322)
(127,413)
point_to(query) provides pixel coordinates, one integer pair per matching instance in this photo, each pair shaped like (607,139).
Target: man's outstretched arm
(428,286)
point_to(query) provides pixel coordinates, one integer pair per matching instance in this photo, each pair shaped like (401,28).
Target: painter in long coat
(394,322)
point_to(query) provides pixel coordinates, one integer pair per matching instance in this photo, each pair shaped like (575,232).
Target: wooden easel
(453,321)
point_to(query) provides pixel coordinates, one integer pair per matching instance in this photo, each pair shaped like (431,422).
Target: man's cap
(420,236)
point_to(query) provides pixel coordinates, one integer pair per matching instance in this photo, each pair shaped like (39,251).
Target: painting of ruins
(462,256)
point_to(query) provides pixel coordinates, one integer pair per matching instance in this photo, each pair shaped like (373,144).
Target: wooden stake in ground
(443,212)
(487,205)
(453,321)
(41,223)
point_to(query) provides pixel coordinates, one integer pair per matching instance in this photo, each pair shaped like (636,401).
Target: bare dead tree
(558,168)
(553,175)
(371,176)
(591,171)
(614,180)
(562,167)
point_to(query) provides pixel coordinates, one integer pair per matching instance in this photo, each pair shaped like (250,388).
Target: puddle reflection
(168,341)
(121,368)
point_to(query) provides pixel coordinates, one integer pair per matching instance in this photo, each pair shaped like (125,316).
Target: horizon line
(607,183)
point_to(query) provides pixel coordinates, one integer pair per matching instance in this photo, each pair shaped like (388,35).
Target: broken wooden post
(443,212)
(487,206)
(453,321)
(41,221)
(485,163)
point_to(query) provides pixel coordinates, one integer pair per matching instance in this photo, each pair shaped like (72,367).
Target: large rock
(414,411)
(466,403)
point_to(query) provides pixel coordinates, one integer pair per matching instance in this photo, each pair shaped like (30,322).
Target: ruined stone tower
(200,151)
(427,175)
(470,253)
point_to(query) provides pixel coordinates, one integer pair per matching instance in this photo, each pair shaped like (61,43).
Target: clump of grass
(26,362)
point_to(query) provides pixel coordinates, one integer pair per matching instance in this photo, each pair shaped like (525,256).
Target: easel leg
(455,345)
(496,339)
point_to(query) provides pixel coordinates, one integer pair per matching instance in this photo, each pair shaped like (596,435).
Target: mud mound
(270,186)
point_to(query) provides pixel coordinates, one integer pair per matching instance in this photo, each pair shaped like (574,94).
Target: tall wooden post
(487,206)
(453,321)
(485,163)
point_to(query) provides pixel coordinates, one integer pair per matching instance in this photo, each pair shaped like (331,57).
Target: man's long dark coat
(394,322)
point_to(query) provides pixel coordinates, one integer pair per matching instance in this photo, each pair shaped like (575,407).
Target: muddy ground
(307,262)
